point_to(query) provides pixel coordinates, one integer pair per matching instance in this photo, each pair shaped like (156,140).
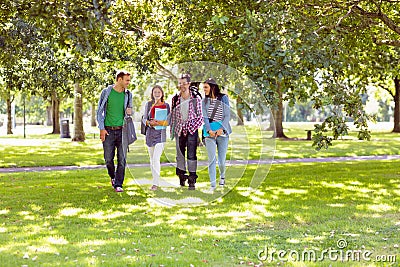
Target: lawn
(303,214)
(75,219)
(245,143)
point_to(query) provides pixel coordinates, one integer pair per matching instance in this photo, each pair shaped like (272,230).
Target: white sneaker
(210,190)
(119,189)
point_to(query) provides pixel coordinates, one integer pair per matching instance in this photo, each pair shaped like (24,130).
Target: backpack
(143,127)
(194,92)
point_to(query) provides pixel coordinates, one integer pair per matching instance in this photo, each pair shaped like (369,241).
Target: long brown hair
(162,92)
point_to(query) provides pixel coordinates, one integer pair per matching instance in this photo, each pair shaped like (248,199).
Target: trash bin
(65,128)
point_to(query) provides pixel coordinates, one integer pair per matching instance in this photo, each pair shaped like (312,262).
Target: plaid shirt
(194,121)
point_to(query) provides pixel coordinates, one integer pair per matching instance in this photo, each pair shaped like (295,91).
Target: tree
(360,25)
(17,42)
(382,68)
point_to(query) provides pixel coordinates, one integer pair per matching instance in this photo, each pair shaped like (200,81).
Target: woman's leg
(156,166)
(211,152)
(151,156)
(222,144)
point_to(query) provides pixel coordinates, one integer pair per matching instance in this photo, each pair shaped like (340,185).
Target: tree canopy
(324,51)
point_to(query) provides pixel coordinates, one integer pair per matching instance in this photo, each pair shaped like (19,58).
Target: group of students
(188,113)
(184,117)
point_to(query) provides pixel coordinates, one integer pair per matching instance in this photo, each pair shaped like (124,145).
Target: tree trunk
(93,117)
(239,108)
(9,117)
(79,134)
(49,116)
(55,113)
(271,123)
(278,115)
(396,115)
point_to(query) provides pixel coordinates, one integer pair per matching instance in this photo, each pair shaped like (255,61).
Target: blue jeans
(212,144)
(187,144)
(114,141)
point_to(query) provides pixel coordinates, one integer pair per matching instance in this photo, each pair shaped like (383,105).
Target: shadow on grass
(76,219)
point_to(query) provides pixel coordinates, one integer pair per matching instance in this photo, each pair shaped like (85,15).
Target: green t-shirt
(115,109)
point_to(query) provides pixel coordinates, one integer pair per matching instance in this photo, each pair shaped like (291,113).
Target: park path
(203,163)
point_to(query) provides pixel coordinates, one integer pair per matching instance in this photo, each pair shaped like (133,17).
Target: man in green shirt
(115,101)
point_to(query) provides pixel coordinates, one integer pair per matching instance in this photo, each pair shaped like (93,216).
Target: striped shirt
(219,115)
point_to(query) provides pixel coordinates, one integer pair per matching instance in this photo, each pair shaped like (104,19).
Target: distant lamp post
(23,95)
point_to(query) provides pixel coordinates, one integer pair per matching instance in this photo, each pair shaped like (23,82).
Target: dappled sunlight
(177,202)
(289,191)
(377,207)
(4,211)
(95,242)
(213,231)
(293,241)
(179,218)
(299,219)
(332,185)
(258,199)
(131,208)
(70,211)
(240,216)
(336,205)
(244,191)
(261,211)
(383,192)
(34,250)
(26,215)
(296,207)
(101,215)
(35,229)
(170,194)
(36,152)
(57,240)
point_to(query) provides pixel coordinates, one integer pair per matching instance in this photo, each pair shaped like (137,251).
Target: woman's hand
(153,123)
(219,132)
(212,134)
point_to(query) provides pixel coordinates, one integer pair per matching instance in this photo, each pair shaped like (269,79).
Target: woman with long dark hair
(216,113)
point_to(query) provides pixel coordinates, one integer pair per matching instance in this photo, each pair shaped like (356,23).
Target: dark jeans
(187,144)
(114,141)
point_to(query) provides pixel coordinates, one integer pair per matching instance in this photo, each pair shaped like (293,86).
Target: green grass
(245,143)
(75,219)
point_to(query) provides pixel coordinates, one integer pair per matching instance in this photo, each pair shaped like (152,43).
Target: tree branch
(167,73)
(381,16)
(334,26)
(387,89)
(387,42)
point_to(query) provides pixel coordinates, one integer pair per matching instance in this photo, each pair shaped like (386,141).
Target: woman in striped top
(216,113)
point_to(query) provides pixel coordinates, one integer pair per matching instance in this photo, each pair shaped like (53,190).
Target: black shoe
(182,179)
(192,180)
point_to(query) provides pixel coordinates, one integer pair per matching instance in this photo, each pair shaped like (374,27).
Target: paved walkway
(202,163)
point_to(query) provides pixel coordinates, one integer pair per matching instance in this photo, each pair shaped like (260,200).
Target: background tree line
(327,53)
